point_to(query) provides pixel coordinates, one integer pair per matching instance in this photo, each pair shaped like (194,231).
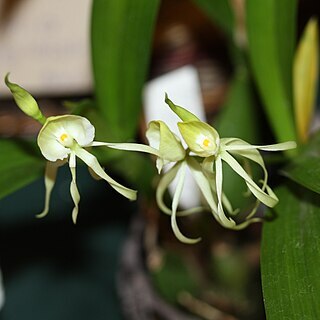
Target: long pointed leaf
(121,35)
(271,37)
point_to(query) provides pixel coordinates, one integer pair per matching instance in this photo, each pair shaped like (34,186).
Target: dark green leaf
(121,37)
(305,168)
(18,165)
(291,257)
(271,37)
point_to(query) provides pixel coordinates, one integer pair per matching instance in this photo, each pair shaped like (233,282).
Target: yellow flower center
(63,137)
(206,142)
(66,140)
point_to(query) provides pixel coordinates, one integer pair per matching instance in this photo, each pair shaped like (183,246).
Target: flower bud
(25,101)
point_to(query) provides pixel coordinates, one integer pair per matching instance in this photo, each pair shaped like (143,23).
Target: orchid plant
(272,88)
(64,138)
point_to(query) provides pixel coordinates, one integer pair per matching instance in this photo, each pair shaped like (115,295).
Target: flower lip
(202,139)
(59,134)
(208,144)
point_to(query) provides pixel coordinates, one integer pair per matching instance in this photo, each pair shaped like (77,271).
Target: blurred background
(121,260)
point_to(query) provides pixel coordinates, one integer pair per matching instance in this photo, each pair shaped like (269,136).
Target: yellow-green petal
(224,220)
(92,162)
(162,187)
(161,138)
(175,202)
(182,113)
(235,144)
(128,147)
(268,199)
(203,184)
(49,182)
(73,187)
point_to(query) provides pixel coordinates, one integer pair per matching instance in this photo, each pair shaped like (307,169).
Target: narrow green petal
(182,113)
(234,144)
(175,202)
(49,181)
(207,166)
(268,199)
(162,187)
(92,162)
(246,223)
(128,147)
(25,101)
(226,222)
(73,187)
(202,183)
(249,153)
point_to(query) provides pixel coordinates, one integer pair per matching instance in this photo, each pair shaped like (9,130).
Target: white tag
(182,87)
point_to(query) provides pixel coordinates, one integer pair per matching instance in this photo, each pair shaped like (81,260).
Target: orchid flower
(203,141)
(67,137)
(171,151)
(62,139)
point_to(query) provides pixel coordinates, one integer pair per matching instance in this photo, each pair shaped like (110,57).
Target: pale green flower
(171,151)
(204,142)
(63,139)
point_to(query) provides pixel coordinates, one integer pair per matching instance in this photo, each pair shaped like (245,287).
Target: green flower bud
(25,101)
(182,113)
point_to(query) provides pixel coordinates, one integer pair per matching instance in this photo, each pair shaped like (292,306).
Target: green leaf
(290,257)
(228,16)
(18,165)
(271,39)
(305,168)
(121,34)
(220,11)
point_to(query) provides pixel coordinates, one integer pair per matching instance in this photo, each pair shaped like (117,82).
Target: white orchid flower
(171,151)
(204,142)
(64,138)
